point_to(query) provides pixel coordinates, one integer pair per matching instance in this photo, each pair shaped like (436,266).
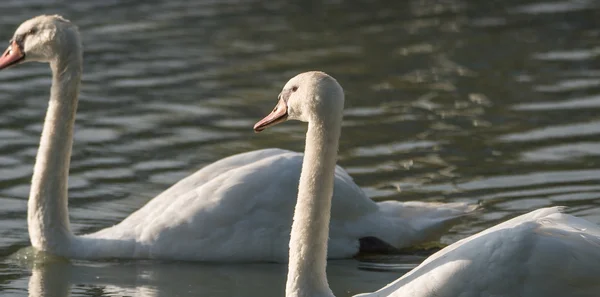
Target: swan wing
(240,210)
(541,253)
(219,167)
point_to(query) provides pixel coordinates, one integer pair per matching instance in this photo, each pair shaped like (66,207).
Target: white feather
(540,254)
(237,209)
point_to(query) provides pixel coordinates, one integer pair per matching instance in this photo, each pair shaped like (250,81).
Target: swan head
(41,39)
(307,97)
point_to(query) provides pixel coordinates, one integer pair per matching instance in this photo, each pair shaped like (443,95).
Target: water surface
(480,101)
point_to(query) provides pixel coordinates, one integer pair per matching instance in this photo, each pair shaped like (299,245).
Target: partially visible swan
(237,209)
(542,253)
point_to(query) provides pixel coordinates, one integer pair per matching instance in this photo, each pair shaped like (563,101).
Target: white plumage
(237,209)
(240,209)
(544,253)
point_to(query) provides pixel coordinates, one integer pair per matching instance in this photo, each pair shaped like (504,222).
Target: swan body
(236,209)
(539,254)
(240,209)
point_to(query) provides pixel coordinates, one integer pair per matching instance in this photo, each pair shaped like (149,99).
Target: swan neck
(48,218)
(310,229)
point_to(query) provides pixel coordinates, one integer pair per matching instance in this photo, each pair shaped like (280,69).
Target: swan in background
(539,254)
(237,209)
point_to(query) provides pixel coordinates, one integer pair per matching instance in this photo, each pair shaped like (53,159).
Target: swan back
(541,253)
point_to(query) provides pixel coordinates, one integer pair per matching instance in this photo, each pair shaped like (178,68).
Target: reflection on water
(57,277)
(490,101)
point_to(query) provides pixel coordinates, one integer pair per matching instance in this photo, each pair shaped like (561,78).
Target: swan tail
(405,224)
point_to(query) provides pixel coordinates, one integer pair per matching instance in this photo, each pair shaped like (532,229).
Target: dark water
(491,101)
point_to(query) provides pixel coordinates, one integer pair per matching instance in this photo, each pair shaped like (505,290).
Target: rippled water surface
(489,101)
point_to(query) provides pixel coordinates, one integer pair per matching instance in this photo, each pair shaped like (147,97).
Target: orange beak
(278,115)
(12,55)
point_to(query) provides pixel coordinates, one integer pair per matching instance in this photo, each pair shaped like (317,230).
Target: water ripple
(445,101)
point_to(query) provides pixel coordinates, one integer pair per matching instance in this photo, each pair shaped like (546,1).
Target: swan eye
(294,89)
(31,31)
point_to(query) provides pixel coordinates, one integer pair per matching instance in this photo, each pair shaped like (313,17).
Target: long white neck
(310,230)
(47,214)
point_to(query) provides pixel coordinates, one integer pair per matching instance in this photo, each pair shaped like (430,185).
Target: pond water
(496,102)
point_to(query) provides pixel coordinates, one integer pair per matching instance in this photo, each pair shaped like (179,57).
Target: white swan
(237,209)
(542,253)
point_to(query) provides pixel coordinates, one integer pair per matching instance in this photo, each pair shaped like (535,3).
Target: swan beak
(278,115)
(11,56)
